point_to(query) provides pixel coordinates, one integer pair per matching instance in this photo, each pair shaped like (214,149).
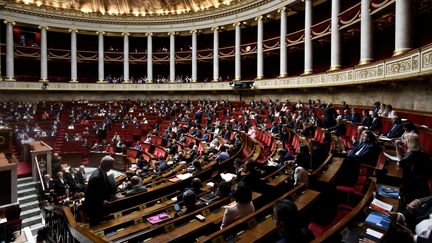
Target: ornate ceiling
(133,7)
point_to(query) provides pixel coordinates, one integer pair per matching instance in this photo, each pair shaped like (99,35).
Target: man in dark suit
(49,193)
(396,130)
(339,129)
(376,123)
(60,184)
(414,222)
(81,175)
(366,151)
(98,192)
(366,119)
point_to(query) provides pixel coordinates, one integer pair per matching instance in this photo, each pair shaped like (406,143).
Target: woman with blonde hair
(417,168)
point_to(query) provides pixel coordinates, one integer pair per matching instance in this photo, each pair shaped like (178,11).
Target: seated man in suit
(60,185)
(339,129)
(396,130)
(49,193)
(136,186)
(190,202)
(415,223)
(73,182)
(366,150)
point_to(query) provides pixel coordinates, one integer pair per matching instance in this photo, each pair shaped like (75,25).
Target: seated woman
(417,168)
(242,207)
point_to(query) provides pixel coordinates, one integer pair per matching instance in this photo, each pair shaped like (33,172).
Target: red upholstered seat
(318,229)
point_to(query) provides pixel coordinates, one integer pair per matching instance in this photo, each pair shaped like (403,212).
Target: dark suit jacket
(98,190)
(413,216)
(368,153)
(395,131)
(366,121)
(376,124)
(60,187)
(81,178)
(339,129)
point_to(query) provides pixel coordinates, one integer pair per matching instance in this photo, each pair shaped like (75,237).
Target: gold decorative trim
(74,81)
(9,79)
(335,68)
(365,62)
(44,80)
(259,77)
(126,81)
(400,52)
(307,72)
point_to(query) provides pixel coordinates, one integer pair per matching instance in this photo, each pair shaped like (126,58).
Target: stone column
(43,55)
(194,56)
(172,57)
(237,75)
(125,57)
(260,53)
(366,41)
(101,74)
(308,49)
(149,57)
(74,60)
(335,53)
(404,16)
(283,47)
(10,76)
(215,54)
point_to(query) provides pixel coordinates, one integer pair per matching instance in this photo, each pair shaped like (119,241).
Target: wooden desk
(8,179)
(268,226)
(96,157)
(330,173)
(194,225)
(393,170)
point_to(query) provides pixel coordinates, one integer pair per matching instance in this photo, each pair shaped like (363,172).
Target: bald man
(98,192)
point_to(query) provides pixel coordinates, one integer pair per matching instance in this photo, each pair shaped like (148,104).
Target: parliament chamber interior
(216,121)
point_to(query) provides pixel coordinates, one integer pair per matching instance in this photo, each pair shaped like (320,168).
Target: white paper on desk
(383,138)
(391,157)
(382,205)
(374,233)
(228,176)
(3,220)
(184,176)
(210,184)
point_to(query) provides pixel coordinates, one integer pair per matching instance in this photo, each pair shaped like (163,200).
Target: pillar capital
(216,28)
(172,33)
(43,27)
(283,9)
(193,31)
(149,34)
(237,24)
(9,22)
(100,33)
(125,34)
(258,18)
(73,30)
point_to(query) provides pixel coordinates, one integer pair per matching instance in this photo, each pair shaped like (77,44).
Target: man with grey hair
(98,192)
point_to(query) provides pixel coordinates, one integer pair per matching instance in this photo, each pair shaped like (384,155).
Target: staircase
(29,202)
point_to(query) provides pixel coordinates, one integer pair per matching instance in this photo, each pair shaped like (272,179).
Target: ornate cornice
(414,64)
(246,9)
